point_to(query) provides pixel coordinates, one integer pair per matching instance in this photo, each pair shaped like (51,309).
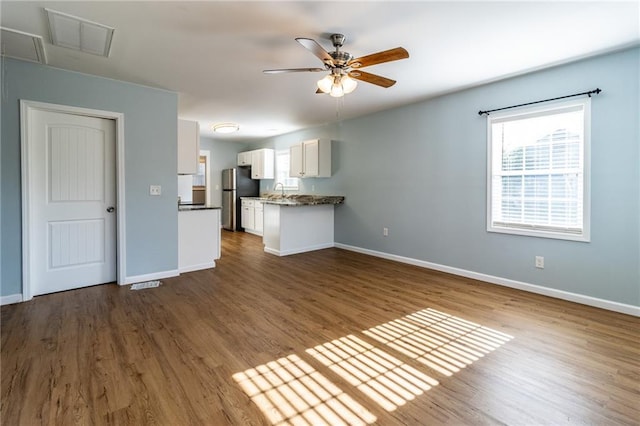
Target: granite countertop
(302,199)
(192,207)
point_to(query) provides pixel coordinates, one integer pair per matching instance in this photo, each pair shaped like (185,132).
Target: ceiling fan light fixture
(336,90)
(226,127)
(348,84)
(337,85)
(324,84)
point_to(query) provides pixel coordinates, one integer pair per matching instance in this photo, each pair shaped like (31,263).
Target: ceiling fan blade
(379,58)
(284,70)
(372,78)
(316,49)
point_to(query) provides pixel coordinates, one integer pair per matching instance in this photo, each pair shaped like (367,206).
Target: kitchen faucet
(276,185)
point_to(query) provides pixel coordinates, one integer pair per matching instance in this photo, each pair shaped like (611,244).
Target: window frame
(289,178)
(546,108)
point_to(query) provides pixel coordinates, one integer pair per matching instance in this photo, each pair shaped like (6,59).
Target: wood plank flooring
(329,337)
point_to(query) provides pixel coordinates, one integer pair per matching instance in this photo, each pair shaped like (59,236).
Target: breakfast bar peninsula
(298,223)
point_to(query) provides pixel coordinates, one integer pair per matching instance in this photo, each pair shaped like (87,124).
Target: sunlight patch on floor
(380,376)
(290,391)
(440,341)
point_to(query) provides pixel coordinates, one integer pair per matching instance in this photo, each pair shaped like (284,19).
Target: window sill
(583,237)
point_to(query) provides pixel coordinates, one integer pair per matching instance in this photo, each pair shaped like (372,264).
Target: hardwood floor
(325,337)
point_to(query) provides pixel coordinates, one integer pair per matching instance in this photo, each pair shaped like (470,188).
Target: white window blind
(538,171)
(282,170)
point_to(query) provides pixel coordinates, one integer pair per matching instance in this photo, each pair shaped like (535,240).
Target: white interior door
(72,195)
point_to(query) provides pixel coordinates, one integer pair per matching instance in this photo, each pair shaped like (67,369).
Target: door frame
(207,176)
(26,108)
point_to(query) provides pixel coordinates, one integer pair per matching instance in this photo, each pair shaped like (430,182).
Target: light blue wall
(224,155)
(420,170)
(150,118)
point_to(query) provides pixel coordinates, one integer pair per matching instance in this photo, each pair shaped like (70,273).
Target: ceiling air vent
(21,45)
(80,34)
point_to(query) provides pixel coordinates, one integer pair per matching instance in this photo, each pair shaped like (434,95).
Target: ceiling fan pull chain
(339,105)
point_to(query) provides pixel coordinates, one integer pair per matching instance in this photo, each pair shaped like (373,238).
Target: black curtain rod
(589,93)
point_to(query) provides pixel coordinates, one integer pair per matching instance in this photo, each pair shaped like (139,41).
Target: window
(282,170)
(538,171)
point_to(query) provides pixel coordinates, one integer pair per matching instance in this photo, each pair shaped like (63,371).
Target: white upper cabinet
(296,168)
(244,158)
(310,158)
(262,164)
(188,147)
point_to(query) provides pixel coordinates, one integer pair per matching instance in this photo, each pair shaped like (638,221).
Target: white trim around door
(26,108)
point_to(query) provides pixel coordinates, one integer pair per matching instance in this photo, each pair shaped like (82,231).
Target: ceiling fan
(344,68)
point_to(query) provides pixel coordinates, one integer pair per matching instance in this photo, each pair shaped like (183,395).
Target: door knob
(111,209)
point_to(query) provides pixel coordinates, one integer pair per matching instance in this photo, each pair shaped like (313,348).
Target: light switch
(155,190)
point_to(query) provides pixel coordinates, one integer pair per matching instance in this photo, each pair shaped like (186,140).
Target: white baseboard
(16,298)
(192,268)
(10,299)
(532,288)
(150,277)
(272,251)
(298,250)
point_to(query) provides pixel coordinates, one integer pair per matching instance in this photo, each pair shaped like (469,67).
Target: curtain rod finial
(596,91)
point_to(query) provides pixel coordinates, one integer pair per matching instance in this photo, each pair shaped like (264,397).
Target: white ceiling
(213,52)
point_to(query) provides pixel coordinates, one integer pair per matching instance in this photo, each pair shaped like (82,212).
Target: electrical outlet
(539,262)
(155,190)
(385,232)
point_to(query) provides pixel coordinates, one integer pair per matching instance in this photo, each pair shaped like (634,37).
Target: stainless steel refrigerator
(236,183)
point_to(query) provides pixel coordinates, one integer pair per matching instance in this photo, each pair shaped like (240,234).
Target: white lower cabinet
(252,216)
(259,217)
(248,214)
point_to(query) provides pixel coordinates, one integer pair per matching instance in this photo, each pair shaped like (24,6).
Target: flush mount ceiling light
(80,34)
(226,128)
